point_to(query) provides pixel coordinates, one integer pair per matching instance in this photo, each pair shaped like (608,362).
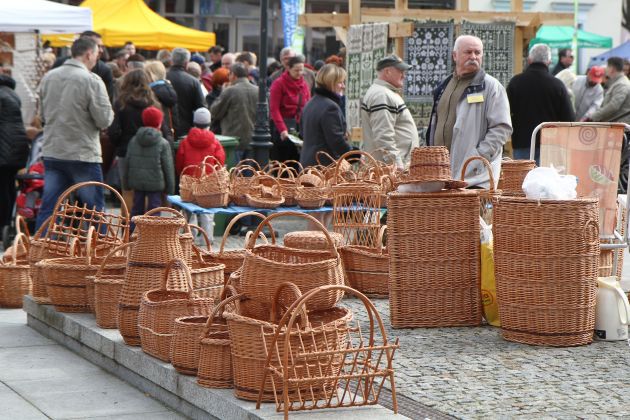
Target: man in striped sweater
(388,127)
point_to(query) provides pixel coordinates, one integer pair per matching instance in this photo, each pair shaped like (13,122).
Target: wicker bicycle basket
(15,278)
(159,308)
(513,173)
(251,344)
(266,266)
(434,248)
(308,372)
(367,269)
(546,255)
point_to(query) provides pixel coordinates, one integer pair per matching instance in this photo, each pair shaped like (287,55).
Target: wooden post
(399,42)
(354,10)
(462,5)
(517,6)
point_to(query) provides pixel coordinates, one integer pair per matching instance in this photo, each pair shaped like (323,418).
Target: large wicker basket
(434,248)
(366,268)
(546,255)
(15,278)
(159,308)
(267,266)
(251,344)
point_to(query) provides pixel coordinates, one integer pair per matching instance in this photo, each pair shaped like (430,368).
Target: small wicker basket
(15,278)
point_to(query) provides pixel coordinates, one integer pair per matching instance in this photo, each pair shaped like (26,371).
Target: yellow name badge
(474,98)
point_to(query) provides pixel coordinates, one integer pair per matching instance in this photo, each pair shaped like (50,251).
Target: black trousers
(282,149)
(7,194)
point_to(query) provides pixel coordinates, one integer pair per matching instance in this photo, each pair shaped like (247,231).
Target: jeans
(143,201)
(523,154)
(62,174)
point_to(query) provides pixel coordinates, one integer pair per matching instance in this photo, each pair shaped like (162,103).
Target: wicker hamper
(433,243)
(546,255)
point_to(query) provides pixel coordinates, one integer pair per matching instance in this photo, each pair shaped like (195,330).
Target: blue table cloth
(193,208)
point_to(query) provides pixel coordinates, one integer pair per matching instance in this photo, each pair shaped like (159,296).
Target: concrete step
(106,348)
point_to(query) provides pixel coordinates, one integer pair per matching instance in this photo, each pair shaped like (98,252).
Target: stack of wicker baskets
(433,243)
(546,258)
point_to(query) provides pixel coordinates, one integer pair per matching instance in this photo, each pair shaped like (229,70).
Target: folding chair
(592,152)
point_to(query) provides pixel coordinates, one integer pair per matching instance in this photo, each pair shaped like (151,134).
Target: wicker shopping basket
(367,269)
(188,177)
(21,253)
(513,173)
(185,344)
(240,183)
(159,308)
(288,185)
(107,289)
(311,239)
(434,247)
(212,188)
(15,278)
(113,266)
(265,193)
(266,266)
(311,189)
(546,255)
(251,343)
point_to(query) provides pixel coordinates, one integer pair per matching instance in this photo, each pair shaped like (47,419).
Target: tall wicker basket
(433,243)
(546,255)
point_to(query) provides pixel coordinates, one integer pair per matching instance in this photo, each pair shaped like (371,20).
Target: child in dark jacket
(149,164)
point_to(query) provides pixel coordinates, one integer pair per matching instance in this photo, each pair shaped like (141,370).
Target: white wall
(602,17)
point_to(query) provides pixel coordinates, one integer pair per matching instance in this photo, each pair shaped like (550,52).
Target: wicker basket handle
(486,164)
(310,218)
(21,226)
(323,153)
(124,211)
(233,222)
(215,312)
(177,263)
(19,238)
(248,237)
(276,296)
(270,166)
(165,210)
(249,162)
(237,171)
(112,253)
(377,168)
(195,175)
(291,161)
(290,171)
(204,234)
(90,244)
(591,238)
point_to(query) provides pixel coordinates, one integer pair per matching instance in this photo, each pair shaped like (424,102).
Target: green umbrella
(562,37)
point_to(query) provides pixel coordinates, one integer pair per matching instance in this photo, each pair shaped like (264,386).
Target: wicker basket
(367,269)
(186,182)
(513,173)
(159,308)
(107,287)
(311,239)
(212,188)
(158,242)
(264,197)
(266,266)
(232,259)
(546,256)
(15,278)
(207,277)
(288,186)
(251,344)
(312,190)
(21,253)
(215,353)
(66,278)
(434,247)
(240,180)
(186,342)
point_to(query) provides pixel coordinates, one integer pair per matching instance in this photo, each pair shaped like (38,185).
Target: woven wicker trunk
(546,261)
(433,243)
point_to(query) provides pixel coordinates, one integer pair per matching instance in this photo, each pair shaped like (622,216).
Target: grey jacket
(481,129)
(588,99)
(387,124)
(236,110)
(75,106)
(616,105)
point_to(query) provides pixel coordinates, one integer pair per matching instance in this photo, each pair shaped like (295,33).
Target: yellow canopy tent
(119,21)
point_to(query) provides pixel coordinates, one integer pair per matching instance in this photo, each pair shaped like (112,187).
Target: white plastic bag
(547,183)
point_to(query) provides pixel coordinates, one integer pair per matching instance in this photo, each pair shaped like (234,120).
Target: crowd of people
(144,121)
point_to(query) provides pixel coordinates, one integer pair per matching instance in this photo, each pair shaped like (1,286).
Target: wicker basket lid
(431,164)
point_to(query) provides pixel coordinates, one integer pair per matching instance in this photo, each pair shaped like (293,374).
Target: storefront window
(180,6)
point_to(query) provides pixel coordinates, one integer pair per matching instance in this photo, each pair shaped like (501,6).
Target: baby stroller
(29,195)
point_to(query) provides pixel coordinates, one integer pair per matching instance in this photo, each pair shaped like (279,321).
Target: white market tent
(47,17)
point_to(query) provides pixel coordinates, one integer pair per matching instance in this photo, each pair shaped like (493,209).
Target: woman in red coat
(289,93)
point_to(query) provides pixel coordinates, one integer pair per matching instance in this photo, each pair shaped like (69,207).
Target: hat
(392,61)
(431,164)
(596,74)
(197,58)
(152,117)
(201,117)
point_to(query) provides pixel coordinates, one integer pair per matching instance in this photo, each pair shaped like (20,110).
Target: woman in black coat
(323,125)
(14,146)
(163,91)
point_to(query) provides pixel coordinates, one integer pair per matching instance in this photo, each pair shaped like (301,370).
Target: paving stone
(13,406)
